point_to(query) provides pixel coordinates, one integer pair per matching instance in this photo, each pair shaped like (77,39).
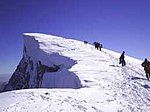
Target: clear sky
(118,24)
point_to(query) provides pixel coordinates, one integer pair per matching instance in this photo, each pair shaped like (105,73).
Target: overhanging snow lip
(40,35)
(33,34)
(74,77)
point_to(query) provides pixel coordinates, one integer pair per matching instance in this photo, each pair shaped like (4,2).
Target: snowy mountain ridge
(95,80)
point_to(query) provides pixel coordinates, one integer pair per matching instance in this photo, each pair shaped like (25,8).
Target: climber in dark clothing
(146,65)
(97,45)
(85,42)
(121,59)
(100,47)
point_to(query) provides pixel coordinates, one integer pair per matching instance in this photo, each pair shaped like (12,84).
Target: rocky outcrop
(43,66)
(23,78)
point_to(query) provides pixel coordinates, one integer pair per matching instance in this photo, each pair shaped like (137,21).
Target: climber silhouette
(121,59)
(146,65)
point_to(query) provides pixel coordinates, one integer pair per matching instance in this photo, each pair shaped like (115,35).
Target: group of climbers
(98,46)
(145,64)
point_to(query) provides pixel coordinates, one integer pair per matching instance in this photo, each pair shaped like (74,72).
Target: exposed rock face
(43,68)
(28,74)
(21,78)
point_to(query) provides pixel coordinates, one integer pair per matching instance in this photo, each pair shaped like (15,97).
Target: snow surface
(105,86)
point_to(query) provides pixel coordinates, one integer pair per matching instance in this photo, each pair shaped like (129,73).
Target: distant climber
(94,43)
(97,45)
(121,59)
(146,65)
(100,47)
(85,42)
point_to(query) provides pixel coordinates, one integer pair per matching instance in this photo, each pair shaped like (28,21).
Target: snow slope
(104,85)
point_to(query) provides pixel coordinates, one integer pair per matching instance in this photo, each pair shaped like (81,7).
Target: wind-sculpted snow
(42,65)
(106,86)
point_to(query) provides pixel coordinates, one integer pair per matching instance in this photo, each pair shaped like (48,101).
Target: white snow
(106,86)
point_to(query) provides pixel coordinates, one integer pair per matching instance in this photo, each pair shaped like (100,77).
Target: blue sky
(118,24)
